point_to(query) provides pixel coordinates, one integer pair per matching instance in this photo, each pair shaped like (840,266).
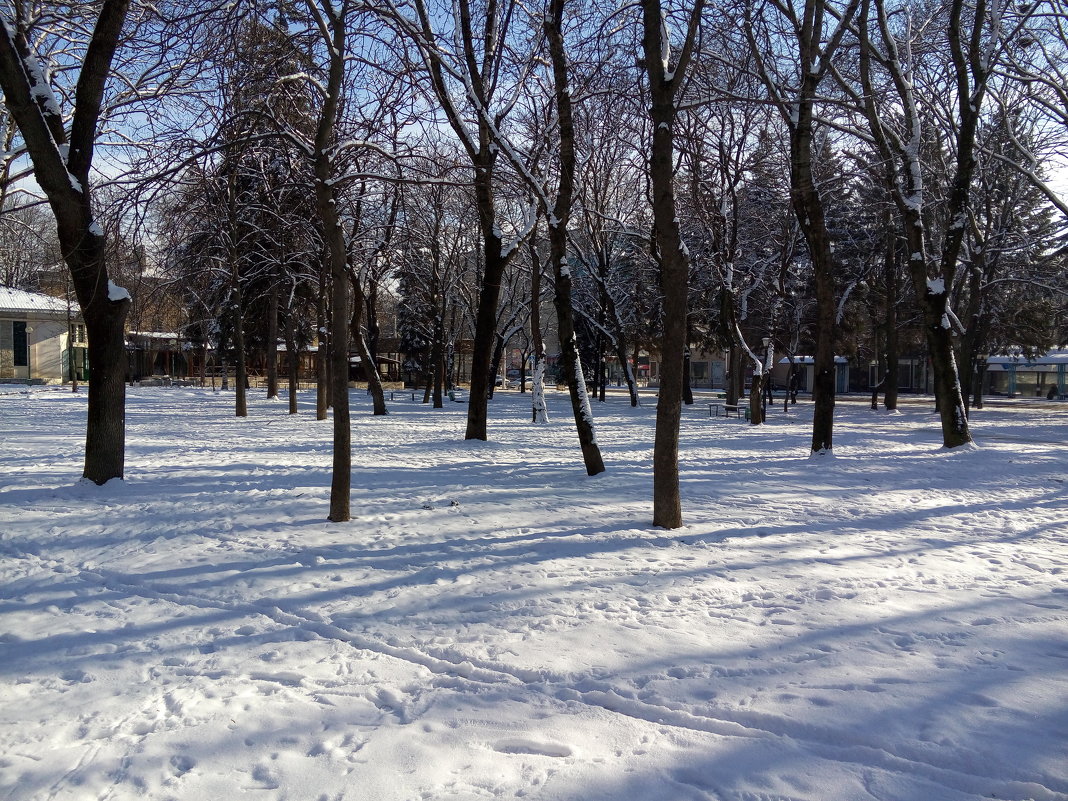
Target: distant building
(42,339)
(1015,376)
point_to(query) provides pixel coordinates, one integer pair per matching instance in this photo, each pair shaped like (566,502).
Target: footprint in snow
(523,745)
(182,764)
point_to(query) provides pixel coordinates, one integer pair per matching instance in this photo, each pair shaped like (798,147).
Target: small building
(157,354)
(1018,376)
(42,339)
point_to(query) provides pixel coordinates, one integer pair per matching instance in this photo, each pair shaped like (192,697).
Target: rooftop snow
(19,301)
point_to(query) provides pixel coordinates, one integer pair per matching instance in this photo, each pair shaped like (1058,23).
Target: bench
(394,392)
(726,409)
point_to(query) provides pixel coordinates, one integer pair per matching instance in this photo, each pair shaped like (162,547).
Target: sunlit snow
(494,624)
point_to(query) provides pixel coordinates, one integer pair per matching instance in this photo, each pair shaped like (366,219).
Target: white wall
(47,342)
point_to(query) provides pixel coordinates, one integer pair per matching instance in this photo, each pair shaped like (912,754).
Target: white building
(35,338)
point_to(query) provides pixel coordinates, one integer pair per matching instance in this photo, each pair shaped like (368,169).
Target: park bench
(727,409)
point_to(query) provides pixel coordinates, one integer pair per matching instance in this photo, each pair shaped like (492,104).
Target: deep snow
(493,624)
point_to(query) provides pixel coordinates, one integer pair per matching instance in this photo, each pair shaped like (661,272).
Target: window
(79,334)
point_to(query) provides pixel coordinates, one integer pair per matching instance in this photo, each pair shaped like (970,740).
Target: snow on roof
(154,334)
(1050,358)
(19,301)
(811,360)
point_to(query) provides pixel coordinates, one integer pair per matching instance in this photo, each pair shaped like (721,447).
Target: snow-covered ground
(493,624)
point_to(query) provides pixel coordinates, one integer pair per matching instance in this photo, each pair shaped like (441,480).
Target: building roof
(1046,361)
(810,360)
(19,301)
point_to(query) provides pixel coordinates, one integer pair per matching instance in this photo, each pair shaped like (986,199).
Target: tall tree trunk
(437,359)
(539,413)
(905,184)
(975,331)
(337,260)
(341,478)
(808,206)
(272,343)
(892,351)
(561,213)
(240,365)
(322,352)
(292,361)
(488,297)
(673,255)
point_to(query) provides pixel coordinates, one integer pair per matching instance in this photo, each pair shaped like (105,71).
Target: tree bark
(292,361)
(892,351)
(561,213)
(272,343)
(539,413)
(61,167)
(489,294)
(322,352)
(337,260)
(673,255)
(808,206)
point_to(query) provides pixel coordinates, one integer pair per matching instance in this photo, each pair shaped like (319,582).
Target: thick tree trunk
(735,374)
(673,255)
(756,398)
(934,305)
(488,299)
(341,478)
(808,207)
(105,433)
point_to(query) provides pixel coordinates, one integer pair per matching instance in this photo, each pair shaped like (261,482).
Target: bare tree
(62,161)
(971,52)
(812,31)
(666,76)
(475,78)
